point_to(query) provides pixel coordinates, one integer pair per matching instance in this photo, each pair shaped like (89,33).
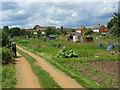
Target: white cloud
(67,14)
(21,12)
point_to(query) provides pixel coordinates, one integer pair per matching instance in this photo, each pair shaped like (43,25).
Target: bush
(7,55)
(6,41)
(67,53)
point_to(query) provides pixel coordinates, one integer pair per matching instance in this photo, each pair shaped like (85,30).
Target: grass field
(93,62)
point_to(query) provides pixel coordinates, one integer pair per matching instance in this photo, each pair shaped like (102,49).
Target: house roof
(80,28)
(97,26)
(74,33)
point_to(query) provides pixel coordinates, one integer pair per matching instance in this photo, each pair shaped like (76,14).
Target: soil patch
(103,72)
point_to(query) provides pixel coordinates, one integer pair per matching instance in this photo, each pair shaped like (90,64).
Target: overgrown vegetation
(7,55)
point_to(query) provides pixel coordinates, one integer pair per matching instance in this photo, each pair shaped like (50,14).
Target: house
(100,28)
(75,36)
(81,30)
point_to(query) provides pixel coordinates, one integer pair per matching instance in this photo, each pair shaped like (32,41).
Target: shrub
(7,55)
(6,41)
(67,53)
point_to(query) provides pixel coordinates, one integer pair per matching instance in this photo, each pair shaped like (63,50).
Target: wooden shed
(88,39)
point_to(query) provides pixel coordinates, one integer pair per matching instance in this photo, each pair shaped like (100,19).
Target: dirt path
(25,76)
(60,77)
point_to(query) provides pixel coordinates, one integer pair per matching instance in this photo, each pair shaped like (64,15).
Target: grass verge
(44,78)
(8,76)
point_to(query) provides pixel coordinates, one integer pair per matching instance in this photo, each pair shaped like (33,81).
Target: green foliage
(38,33)
(7,55)
(6,41)
(35,26)
(48,31)
(51,30)
(73,30)
(111,23)
(88,32)
(68,38)
(23,32)
(61,29)
(114,31)
(114,24)
(67,53)
(6,29)
(15,31)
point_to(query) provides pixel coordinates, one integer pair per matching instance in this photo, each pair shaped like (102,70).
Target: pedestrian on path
(14,48)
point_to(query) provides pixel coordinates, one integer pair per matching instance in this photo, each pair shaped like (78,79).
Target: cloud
(67,14)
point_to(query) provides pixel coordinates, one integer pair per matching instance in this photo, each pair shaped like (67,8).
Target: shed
(88,39)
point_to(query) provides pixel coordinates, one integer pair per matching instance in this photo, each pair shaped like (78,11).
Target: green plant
(7,55)
(67,53)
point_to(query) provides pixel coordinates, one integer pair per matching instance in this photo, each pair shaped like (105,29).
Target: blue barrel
(99,45)
(111,47)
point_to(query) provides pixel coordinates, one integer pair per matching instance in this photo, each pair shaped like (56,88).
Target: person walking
(14,48)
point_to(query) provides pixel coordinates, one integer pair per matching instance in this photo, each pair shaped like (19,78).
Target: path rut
(24,74)
(60,77)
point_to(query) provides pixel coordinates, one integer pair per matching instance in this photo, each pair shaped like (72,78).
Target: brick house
(100,28)
(81,30)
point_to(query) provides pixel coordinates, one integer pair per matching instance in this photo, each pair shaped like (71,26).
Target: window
(105,29)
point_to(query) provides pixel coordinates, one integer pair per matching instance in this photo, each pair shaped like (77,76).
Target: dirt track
(25,76)
(60,77)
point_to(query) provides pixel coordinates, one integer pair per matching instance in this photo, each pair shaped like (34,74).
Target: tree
(38,33)
(15,31)
(114,31)
(114,24)
(73,30)
(6,41)
(35,26)
(22,32)
(6,29)
(48,30)
(61,29)
(88,32)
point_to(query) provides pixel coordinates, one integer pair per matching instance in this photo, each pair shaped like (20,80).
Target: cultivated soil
(24,74)
(60,77)
(103,72)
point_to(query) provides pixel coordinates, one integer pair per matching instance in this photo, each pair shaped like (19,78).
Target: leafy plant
(67,53)
(7,55)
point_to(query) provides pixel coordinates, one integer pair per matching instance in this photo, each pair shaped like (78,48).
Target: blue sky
(66,14)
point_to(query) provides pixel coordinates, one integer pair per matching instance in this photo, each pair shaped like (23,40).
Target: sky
(67,14)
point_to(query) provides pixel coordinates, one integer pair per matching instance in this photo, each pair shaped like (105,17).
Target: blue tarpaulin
(111,47)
